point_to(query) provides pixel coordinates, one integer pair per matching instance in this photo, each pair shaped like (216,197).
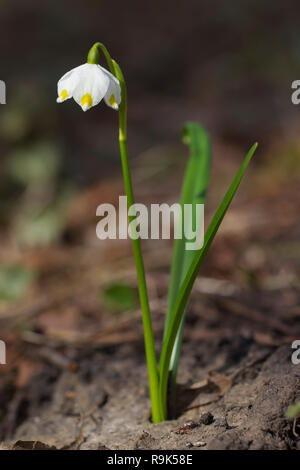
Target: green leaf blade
(193,192)
(186,287)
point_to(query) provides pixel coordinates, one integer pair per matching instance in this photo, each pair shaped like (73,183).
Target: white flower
(88,84)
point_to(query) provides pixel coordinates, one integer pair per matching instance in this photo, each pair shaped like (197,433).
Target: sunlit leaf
(187,285)
(194,190)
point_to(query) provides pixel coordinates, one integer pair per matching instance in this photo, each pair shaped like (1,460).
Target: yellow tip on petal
(62,96)
(86,101)
(113,102)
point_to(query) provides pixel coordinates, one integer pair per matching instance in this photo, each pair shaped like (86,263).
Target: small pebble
(206,418)
(199,444)
(190,424)
(221,422)
(186,427)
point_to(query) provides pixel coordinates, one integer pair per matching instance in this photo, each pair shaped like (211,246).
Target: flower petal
(91,86)
(66,84)
(113,95)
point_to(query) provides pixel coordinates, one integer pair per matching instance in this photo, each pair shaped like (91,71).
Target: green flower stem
(146,315)
(93,57)
(138,258)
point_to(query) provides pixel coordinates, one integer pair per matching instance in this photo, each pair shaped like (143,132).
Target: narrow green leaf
(186,287)
(193,192)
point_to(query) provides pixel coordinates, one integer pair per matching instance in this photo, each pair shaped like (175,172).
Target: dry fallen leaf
(32,445)
(223,382)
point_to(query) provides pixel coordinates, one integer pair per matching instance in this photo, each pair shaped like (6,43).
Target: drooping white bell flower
(88,84)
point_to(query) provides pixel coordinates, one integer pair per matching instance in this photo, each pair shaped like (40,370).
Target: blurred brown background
(227,64)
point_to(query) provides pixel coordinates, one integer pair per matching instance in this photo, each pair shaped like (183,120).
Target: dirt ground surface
(76,376)
(103,405)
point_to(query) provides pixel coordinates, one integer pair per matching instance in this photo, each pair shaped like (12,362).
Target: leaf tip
(253,149)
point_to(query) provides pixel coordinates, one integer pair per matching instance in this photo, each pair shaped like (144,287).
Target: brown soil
(244,384)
